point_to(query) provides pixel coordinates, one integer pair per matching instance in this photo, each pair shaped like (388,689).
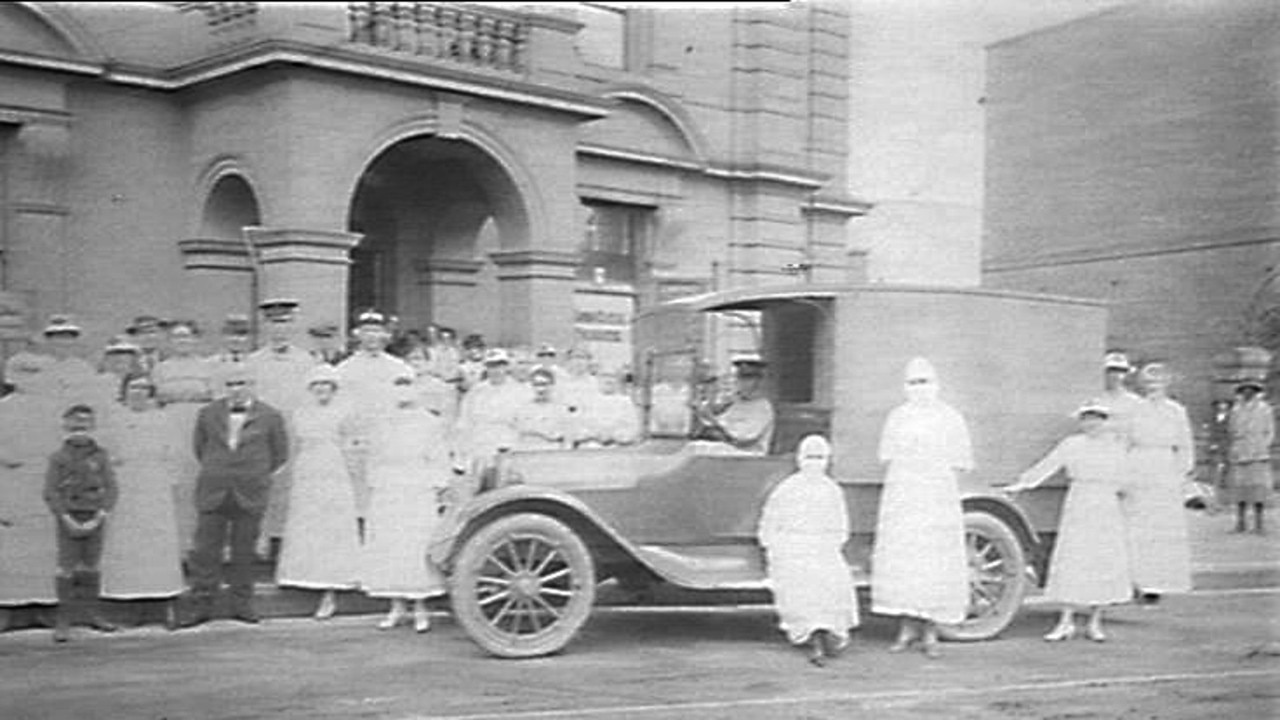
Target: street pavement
(1203,655)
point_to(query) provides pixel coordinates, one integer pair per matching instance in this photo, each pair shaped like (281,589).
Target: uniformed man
(147,332)
(1117,396)
(237,343)
(486,419)
(280,369)
(746,422)
(327,345)
(368,378)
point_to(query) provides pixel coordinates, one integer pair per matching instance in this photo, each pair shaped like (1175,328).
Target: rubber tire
(995,621)
(471,558)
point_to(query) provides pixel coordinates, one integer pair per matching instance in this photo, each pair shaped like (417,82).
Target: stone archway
(432,210)
(221,269)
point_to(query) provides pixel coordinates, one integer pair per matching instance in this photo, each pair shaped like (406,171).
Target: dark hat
(474,340)
(1117,361)
(278,309)
(546,350)
(145,323)
(236,324)
(1248,382)
(61,325)
(323,331)
(371,317)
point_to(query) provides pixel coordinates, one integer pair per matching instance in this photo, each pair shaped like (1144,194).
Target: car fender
(457,526)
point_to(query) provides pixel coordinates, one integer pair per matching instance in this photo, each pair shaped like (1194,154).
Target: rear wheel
(997,578)
(523,585)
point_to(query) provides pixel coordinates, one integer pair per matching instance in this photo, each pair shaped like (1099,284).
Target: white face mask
(813,465)
(922,393)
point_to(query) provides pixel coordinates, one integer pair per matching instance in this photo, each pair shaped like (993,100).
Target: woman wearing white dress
(1090,564)
(408,470)
(185,381)
(141,557)
(919,567)
(803,528)
(1161,458)
(321,542)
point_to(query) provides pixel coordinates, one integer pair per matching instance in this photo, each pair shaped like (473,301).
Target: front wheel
(523,585)
(998,578)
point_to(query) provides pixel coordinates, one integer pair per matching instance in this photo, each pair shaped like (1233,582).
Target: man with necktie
(240,443)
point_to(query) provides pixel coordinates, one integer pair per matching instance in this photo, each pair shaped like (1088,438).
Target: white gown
(408,464)
(141,556)
(803,529)
(321,542)
(1161,456)
(29,433)
(919,565)
(1090,563)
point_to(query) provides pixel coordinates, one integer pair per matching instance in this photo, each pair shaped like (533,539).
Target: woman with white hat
(1090,564)
(803,528)
(320,548)
(919,566)
(1161,459)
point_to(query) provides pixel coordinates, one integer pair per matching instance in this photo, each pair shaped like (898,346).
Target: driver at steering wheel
(746,422)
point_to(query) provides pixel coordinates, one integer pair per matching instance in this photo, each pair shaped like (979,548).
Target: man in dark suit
(240,442)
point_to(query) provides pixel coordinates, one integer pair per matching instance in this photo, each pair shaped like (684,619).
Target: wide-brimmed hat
(121,345)
(1092,406)
(145,323)
(1250,382)
(236,324)
(371,317)
(497,356)
(61,325)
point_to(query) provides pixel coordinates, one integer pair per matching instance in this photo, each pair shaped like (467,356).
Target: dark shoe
(247,615)
(831,645)
(101,624)
(816,657)
(196,614)
(61,633)
(1149,599)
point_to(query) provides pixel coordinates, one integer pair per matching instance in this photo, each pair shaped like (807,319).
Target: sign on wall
(602,324)
(13,317)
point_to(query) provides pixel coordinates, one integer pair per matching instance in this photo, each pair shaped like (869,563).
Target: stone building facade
(1132,156)
(532,173)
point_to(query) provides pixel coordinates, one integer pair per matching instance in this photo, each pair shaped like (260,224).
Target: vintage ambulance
(528,550)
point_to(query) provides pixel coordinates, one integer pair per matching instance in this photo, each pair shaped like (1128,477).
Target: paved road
(1191,658)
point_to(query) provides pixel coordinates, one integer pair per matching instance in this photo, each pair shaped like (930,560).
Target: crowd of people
(171,465)
(1122,536)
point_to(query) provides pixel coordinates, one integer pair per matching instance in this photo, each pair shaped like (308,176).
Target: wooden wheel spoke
(503,612)
(534,616)
(555,614)
(557,575)
(492,580)
(552,553)
(557,592)
(501,595)
(493,558)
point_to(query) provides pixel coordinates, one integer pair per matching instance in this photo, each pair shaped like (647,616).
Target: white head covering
(814,454)
(325,373)
(919,368)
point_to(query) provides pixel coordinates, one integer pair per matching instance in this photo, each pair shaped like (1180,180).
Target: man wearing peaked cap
(746,423)
(147,332)
(279,367)
(368,376)
(1121,401)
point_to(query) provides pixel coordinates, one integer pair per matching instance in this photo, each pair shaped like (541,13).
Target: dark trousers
(228,521)
(78,552)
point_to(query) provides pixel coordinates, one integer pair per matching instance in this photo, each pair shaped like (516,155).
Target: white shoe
(327,607)
(421,621)
(393,618)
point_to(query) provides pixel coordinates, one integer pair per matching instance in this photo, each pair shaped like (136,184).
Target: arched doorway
(223,277)
(431,210)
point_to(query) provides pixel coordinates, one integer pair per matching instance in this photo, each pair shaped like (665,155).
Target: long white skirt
(1090,564)
(1159,547)
(812,588)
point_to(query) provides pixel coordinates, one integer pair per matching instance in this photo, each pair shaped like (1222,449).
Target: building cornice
(380,66)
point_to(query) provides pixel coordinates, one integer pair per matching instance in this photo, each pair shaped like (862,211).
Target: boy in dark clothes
(80,488)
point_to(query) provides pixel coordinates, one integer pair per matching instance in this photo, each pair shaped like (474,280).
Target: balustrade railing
(441,31)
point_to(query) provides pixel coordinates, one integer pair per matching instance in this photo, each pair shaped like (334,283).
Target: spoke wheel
(997,578)
(523,585)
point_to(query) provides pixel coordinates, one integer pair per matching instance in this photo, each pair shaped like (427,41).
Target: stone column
(310,266)
(536,290)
